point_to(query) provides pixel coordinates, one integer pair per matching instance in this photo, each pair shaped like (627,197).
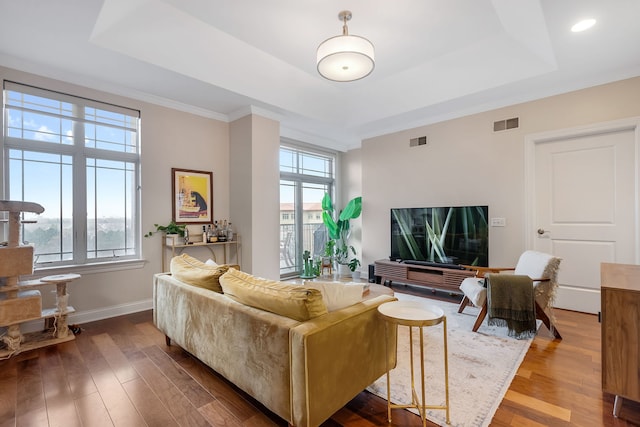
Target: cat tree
(21,301)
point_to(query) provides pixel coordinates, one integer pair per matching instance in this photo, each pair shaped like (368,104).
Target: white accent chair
(542,268)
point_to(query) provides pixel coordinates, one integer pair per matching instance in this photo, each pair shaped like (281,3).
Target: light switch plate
(498,222)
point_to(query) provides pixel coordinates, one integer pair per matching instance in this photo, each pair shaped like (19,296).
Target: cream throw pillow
(293,301)
(194,272)
(338,295)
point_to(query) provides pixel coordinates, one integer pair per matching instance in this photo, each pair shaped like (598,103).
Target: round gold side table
(416,314)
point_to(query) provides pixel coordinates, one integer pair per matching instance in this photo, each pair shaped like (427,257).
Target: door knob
(541,231)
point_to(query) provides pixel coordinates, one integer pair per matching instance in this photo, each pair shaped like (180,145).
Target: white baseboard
(81,317)
(578,299)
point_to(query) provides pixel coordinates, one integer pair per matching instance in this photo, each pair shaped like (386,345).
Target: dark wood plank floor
(120,372)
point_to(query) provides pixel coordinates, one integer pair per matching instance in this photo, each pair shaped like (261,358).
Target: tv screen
(447,235)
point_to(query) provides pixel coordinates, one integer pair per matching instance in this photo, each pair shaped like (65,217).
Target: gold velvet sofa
(303,371)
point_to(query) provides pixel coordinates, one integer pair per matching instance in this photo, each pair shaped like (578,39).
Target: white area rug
(481,367)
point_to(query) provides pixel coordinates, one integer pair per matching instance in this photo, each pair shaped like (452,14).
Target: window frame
(299,179)
(81,154)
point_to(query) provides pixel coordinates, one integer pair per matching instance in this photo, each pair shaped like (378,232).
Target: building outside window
(79,159)
(305,176)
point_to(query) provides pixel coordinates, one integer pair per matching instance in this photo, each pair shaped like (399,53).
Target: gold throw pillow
(293,301)
(194,272)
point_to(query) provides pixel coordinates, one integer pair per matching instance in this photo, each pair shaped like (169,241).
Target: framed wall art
(192,196)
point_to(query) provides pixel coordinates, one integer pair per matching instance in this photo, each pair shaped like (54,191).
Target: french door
(301,226)
(305,177)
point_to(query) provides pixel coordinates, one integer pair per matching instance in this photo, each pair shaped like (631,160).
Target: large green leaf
(331,225)
(326,203)
(352,210)
(338,228)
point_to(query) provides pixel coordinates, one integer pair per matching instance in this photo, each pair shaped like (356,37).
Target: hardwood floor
(120,372)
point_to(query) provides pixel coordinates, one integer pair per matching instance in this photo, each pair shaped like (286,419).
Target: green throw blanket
(511,303)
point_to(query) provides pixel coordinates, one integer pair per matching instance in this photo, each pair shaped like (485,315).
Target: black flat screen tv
(446,235)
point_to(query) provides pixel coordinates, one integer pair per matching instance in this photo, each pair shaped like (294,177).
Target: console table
(446,279)
(176,248)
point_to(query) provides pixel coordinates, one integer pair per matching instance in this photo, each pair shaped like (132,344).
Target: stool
(326,263)
(416,314)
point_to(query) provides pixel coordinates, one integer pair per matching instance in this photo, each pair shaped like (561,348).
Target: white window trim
(81,264)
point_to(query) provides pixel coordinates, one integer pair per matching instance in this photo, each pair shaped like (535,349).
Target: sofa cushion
(337,295)
(194,272)
(293,301)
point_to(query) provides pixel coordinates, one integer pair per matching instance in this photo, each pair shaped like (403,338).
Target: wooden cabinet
(447,279)
(620,296)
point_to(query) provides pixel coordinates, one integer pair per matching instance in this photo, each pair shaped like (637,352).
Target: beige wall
(170,138)
(466,163)
(266,196)
(350,177)
(255,192)
(240,175)
(174,139)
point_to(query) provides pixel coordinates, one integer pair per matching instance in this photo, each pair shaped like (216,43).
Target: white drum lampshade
(345,58)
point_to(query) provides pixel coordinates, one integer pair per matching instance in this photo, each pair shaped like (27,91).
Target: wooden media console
(446,279)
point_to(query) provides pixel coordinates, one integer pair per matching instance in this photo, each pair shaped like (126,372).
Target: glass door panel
(301,226)
(288,262)
(314,235)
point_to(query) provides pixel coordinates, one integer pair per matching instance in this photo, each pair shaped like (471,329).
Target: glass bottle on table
(212,237)
(230,232)
(222,231)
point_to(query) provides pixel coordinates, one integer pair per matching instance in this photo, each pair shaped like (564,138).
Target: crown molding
(11,62)
(252,109)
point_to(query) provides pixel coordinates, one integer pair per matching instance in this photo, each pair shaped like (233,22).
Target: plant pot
(355,275)
(173,239)
(343,270)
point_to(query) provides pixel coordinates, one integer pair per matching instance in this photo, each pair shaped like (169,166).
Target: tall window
(79,159)
(305,175)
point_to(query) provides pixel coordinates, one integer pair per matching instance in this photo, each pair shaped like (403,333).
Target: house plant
(354,263)
(308,271)
(338,227)
(170,230)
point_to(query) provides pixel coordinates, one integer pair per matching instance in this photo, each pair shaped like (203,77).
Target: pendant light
(345,58)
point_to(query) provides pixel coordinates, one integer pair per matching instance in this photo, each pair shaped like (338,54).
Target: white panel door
(585,207)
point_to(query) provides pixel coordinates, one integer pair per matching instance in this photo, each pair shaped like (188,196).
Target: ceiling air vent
(421,140)
(506,124)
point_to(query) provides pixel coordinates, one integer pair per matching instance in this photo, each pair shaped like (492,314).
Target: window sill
(98,267)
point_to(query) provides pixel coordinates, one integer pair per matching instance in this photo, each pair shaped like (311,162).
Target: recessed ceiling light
(585,24)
